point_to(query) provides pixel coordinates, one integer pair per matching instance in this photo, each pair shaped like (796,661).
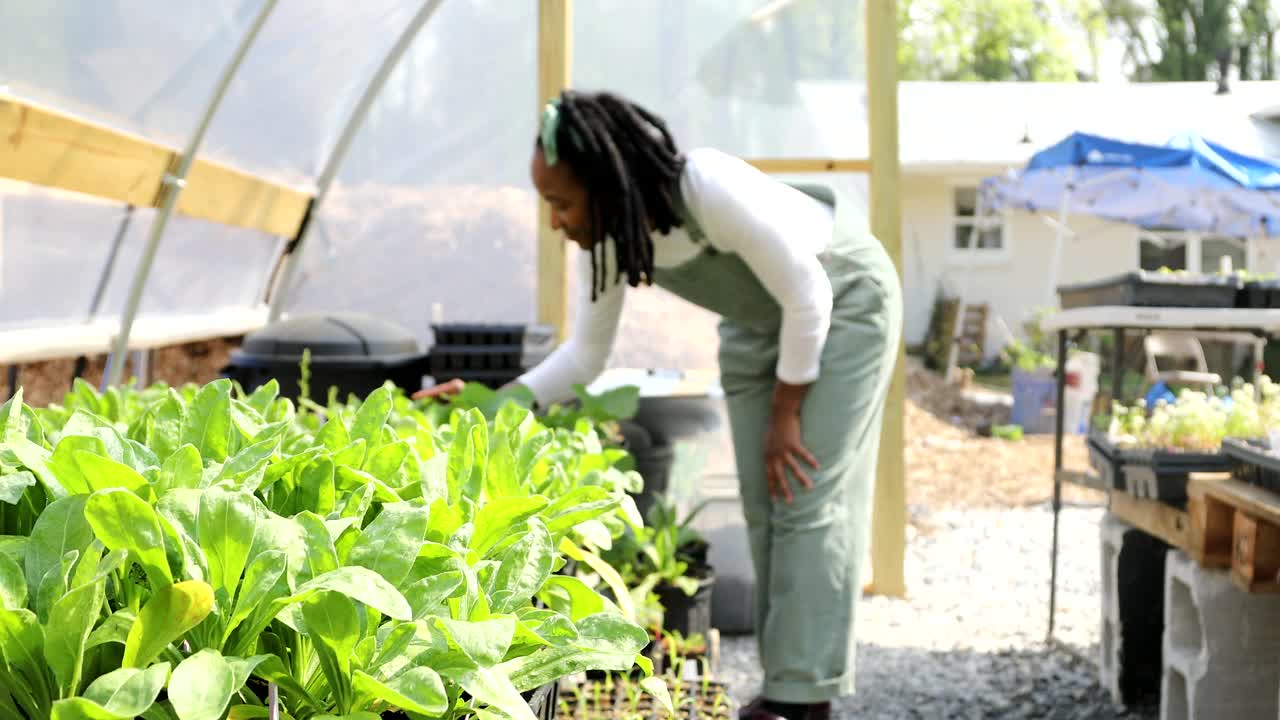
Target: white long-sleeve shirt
(778,232)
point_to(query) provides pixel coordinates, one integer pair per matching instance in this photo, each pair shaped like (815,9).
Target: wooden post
(555,72)
(888,528)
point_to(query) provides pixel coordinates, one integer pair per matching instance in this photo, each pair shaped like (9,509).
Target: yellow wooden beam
(889,522)
(555,73)
(800,166)
(57,150)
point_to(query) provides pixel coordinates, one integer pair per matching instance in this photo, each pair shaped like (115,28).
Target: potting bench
(1155,518)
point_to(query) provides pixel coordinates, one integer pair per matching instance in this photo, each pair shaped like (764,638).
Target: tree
(1196,39)
(992,40)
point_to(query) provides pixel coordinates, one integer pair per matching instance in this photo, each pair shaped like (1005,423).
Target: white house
(952,135)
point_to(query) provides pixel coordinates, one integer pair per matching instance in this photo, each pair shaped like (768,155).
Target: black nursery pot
(687,614)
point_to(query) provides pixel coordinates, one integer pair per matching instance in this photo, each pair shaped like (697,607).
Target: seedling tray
(1163,474)
(1255,463)
(1148,289)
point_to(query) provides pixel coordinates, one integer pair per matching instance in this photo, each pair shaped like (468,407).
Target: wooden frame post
(555,73)
(889,520)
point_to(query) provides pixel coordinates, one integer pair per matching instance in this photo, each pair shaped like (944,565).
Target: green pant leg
(808,554)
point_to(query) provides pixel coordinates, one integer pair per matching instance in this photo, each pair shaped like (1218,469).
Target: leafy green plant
(168,548)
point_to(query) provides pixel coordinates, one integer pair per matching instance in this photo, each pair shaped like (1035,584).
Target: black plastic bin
(351,352)
(1107,460)
(1254,462)
(1153,289)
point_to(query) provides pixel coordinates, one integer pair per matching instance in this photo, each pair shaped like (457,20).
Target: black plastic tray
(1259,294)
(1162,474)
(449,358)
(1148,289)
(1254,462)
(479,334)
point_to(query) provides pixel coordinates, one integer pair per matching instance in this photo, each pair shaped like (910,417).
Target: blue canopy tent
(1187,184)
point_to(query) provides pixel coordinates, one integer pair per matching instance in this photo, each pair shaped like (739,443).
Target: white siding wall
(1014,286)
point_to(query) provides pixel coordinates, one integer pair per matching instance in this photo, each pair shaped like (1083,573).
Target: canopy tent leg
(1059,237)
(170,190)
(292,253)
(13,380)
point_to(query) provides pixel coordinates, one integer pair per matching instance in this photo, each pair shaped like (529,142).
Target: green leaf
(571,597)
(370,418)
(167,616)
(484,643)
(427,595)
(70,622)
(498,517)
(348,477)
(182,469)
(14,547)
(36,458)
(119,695)
(102,473)
(468,457)
(359,584)
(250,459)
(579,505)
(165,435)
(524,568)
(657,687)
(617,404)
(386,463)
(390,543)
(22,643)
(501,479)
(315,487)
(13,585)
(546,627)
(272,670)
(333,436)
(605,642)
(64,465)
(332,622)
(445,519)
(201,686)
(264,396)
(227,522)
(495,689)
(316,555)
(260,579)
(208,422)
(115,629)
(60,528)
(435,479)
(606,572)
(418,690)
(13,485)
(123,521)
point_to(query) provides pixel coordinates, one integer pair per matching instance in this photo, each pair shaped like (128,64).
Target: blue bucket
(1033,393)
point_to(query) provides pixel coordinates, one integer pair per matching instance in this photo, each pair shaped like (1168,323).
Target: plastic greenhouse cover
(434,205)
(136,65)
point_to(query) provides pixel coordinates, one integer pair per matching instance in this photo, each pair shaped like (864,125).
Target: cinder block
(1221,647)
(1132,565)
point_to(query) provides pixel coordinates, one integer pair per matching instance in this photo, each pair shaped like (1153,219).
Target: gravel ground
(969,641)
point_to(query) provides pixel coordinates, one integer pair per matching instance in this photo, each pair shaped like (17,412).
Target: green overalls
(808,554)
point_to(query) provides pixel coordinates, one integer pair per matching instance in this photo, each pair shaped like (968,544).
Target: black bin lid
(330,336)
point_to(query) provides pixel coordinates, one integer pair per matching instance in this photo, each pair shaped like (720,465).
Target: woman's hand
(784,448)
(442,391)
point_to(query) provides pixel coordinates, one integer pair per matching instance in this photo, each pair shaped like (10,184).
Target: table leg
(1059,422)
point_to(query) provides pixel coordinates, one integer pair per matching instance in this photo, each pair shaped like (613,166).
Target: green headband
(549,131)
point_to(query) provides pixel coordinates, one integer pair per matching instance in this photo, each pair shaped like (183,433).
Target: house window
(1191,251)
(973,235)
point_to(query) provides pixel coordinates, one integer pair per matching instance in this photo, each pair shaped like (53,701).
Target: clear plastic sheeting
(53,249)
(199,267)
(739,75)
(136,65)
(313,59)
(434,206)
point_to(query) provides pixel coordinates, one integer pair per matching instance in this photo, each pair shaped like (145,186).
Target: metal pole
(1117,367)
(1064,211)
(169,191)
(339,154)
(1058,423)
(104,280)
(13,379)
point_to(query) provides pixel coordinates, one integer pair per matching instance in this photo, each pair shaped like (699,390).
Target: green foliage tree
(994,40)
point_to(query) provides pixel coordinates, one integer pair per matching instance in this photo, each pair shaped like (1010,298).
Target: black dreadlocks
(628,161)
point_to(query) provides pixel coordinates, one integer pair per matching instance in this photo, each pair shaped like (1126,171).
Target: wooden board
(808,166)
(1237,525)
(1154,518)
(56,150)
(1082,478)
(555,73)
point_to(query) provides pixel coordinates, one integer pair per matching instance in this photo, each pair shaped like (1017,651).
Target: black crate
(1254,462)
(1163,474)
(479,334)
(1259,294)
(1150,289)
(446,359)
(1107,460)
